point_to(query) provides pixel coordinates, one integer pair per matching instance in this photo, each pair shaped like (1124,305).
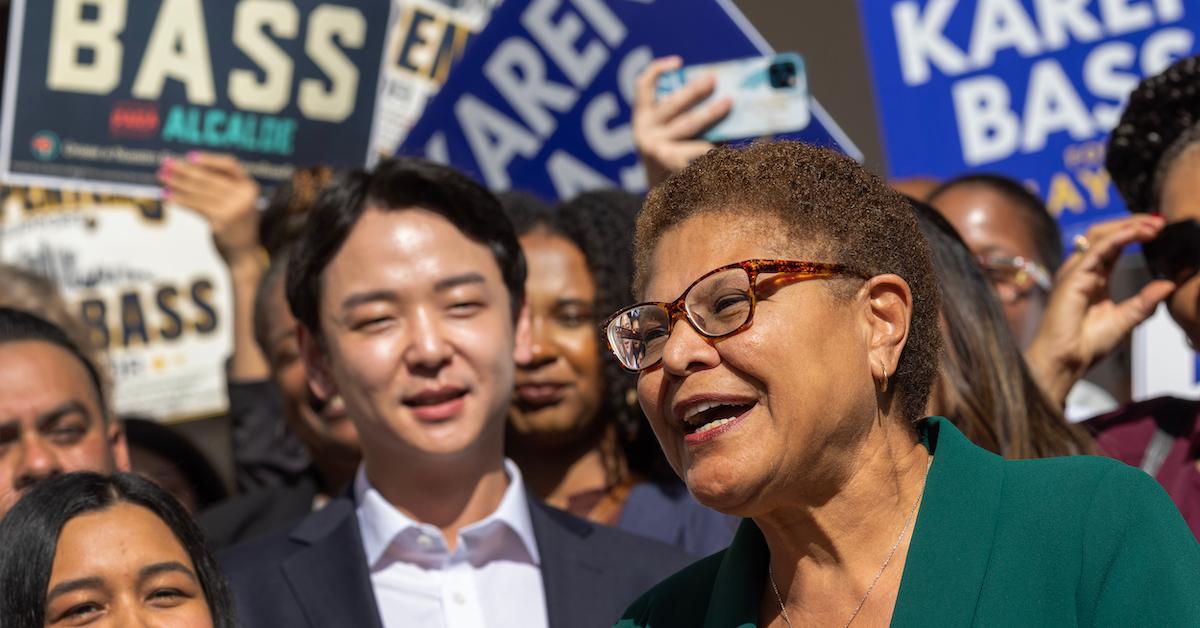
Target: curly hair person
(825,202)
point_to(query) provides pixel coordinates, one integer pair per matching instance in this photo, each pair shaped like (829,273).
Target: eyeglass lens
(717,305)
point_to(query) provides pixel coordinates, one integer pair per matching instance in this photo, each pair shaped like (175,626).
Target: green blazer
(1081,541)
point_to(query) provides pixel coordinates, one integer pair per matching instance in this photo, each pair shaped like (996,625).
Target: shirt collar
(382,524)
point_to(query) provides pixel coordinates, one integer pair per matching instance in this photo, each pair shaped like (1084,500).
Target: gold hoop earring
(884,388)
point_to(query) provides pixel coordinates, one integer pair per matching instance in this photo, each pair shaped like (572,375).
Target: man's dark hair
(398,184)
(1047,237)
(822,200)
(19,325)
(31,530)
(1160,122)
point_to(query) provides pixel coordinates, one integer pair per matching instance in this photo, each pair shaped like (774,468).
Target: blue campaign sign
(1027,88)
(100,91)
(541,99)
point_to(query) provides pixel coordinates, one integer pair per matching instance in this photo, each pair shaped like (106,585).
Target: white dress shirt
(493,577)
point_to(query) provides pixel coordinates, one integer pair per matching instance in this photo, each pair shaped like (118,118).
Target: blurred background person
(575,429)
(117,550)
(1019,246)
(54,417)
(217,187)
(26,290)
(983,385)
(329,435)
(170,459)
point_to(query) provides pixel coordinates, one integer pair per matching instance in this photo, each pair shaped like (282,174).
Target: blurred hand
(1082,323)
(219,189)
(665,130)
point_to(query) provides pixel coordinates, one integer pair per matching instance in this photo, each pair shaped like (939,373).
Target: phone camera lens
(782,74)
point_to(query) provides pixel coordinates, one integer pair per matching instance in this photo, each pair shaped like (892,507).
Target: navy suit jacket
(316,574)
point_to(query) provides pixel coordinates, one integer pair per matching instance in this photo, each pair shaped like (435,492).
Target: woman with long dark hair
(575,427)
(983,385)
(83,547)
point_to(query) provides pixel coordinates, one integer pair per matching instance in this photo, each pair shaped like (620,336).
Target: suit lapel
(954,533)
(572,578)
(329,576)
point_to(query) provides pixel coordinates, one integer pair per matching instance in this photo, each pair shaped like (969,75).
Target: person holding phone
(1154,160)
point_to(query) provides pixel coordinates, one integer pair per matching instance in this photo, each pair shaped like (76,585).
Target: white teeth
(712,425)
(697,409)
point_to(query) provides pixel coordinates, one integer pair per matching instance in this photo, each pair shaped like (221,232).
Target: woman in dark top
(785,345)
(574,427)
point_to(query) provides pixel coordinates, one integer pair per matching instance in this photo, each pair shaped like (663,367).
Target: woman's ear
(316,364)
(888,317)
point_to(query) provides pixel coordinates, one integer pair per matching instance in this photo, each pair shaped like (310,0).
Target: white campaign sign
(148,284)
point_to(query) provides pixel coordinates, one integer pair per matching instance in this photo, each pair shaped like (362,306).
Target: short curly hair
(825,200)
(1160,122)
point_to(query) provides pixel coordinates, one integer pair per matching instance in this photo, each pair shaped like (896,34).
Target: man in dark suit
(408,286)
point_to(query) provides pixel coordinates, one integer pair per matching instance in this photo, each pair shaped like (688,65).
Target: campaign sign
(541,98)
(146,282)
(1026,88)
(100,91)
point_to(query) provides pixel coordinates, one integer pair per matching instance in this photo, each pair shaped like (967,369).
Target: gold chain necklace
(892,552)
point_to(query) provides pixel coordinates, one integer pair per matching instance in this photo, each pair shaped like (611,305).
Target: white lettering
(70,33)
(988,129)
(560,41)
(326,24)
(178,49)
(1169,10)
(518,72)
(920,41)
(494,139)
(270,95)
(571,176)
(1001,24)
(1062,20)
(1052,106)
(607,142)
(1164,48)
(1121,17)
(1102,78)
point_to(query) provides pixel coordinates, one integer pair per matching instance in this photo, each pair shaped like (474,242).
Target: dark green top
(1080,541)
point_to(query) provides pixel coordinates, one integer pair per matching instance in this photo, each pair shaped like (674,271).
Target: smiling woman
(116,550)
(785,346)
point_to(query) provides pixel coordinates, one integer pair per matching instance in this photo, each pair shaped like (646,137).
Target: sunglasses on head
(1175,253)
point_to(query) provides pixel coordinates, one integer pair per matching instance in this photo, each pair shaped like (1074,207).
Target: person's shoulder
(614,543)
(268,550)
(674,601)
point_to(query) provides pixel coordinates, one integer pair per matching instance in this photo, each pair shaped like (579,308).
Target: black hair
(1160,121)
(176,448)
(288,208)
(525,211)
(1047,237)
(31,530)
(398,184)
(275,275)
(19,325)
(983,382)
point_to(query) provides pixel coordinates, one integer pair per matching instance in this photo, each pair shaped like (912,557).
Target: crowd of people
(776,391)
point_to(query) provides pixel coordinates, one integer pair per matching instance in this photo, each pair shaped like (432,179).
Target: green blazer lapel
(739,581)
(954,533)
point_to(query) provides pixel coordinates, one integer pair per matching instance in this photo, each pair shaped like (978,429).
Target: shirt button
(459,598)
(425,541)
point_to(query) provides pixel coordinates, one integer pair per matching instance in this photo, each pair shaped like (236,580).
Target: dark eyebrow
(163,567)
(70,407)
(359,298)
(64,588)
(453,282)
